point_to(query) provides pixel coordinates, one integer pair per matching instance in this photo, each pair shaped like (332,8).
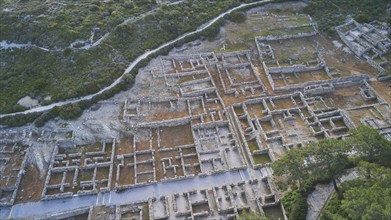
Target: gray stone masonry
(93,161)
(364,39)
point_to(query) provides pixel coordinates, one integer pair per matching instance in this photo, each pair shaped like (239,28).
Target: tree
(330,159)
(361,203)
(371,200)
(327,158)
(363,198)
(293,165)
(370,146)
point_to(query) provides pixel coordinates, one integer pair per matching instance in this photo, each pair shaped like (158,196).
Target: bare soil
(31,186)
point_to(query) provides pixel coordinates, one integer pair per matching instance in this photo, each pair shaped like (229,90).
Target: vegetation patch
(331,13)
(290,31)
(73,73)
(329,159)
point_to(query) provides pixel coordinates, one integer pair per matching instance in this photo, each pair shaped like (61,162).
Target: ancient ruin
(368,41)
(13,156)
(195,139)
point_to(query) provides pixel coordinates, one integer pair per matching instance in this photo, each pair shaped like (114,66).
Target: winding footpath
(134,63)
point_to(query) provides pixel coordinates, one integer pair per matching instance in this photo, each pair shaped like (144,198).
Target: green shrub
(19,120)
(45,117)
(295,204)
(213,31)
(70,111)
(237,17)
(299,208)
